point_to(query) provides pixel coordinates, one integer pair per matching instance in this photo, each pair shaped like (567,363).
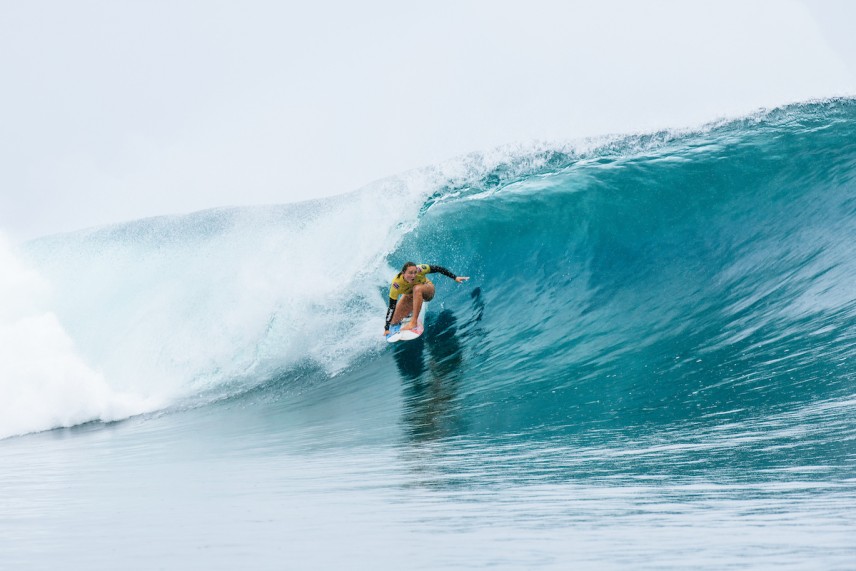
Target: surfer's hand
(461,279)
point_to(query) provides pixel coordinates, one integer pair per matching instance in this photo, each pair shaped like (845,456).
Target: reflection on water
(408,357)
(431,379)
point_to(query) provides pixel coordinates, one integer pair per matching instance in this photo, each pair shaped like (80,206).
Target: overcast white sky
(115,110)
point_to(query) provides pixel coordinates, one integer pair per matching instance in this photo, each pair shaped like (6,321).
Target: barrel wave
(697,280)
(696,277)
(659,333)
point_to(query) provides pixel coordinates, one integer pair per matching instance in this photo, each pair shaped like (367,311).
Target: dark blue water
(651,367)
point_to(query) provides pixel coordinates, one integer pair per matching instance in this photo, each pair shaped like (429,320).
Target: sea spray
(44,382)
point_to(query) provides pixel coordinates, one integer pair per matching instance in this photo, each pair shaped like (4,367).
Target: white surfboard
(396,334)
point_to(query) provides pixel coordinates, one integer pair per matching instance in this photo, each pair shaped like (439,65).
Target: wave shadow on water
(430,368)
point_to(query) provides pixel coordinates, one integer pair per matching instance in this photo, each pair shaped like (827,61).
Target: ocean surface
(653,366)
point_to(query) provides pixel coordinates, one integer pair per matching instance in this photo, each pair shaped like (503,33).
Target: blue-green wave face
(693,286)
(684,280)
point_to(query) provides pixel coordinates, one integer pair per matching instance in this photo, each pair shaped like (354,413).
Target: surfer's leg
(403,309)
(422,292)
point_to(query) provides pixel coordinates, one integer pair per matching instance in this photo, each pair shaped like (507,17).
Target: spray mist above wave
(480,175)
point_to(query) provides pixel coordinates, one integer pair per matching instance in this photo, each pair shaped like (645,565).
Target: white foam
(179,309)
(44,383)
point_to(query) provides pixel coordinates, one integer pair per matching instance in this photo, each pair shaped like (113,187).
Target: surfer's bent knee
(426,291)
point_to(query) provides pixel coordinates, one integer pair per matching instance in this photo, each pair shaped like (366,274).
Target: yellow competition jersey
(401,287)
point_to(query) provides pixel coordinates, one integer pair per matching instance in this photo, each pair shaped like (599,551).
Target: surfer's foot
(410,325)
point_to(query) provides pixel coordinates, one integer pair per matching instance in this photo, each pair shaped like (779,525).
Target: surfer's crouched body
(412,287)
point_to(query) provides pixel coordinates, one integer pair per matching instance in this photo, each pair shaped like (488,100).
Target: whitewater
(651,367)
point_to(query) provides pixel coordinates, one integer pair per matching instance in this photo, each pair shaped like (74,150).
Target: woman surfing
(413,288)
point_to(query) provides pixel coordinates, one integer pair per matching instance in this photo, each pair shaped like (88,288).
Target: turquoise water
(652,367)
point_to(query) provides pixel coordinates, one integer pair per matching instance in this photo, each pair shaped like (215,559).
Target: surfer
(413,287)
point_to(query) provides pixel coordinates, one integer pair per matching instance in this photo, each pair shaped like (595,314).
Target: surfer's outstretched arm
(447,273)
